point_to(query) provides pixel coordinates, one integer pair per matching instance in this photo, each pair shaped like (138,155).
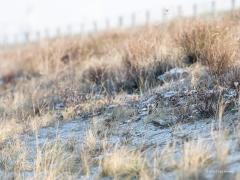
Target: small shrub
(211,44)
(130,75)
(97,74)
(141,77)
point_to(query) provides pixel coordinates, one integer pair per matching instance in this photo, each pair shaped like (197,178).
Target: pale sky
(17,16)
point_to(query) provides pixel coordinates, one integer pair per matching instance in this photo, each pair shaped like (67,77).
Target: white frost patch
(169,94)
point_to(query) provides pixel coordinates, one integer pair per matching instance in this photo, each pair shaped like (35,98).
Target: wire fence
(212,8)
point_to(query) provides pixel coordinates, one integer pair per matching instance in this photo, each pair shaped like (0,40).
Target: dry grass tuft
(90,141)
(222,148)
(211,44)
(196,156)
(88,151)
(83,76)
(9,129)
(53,161)
(13,158)
(123,163)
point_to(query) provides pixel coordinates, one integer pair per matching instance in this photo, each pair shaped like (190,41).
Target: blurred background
(31,20)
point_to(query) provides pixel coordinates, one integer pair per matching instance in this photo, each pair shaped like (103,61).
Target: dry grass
(59,159)
(222,149)
(53,161)
(13,158)
(86,74)
(123,163)
(211,43)
(195,157)
(90,141)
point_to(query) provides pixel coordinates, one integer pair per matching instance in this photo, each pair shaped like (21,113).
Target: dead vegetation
(210,43)
(58,80)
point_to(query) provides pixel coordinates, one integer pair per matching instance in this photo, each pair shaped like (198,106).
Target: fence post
(179,9)
(213,8)
(233,4)
(107,24)
(26,37)
(15,40)
(69,30)
(37,34)
(46,33)
(164,14)
(58,32)
(1,42)
(147,16)
(5,40)
(195,10)
(120,21)
(95,27)
(133,19)
(82,28)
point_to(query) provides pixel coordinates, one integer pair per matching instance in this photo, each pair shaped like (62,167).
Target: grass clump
(53,161)
(195,157)
(123,163)
(13,158)
(211,44)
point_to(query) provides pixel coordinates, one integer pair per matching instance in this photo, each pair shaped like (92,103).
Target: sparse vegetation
(123,163)
(126,122)
(196,156)
(210,43)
